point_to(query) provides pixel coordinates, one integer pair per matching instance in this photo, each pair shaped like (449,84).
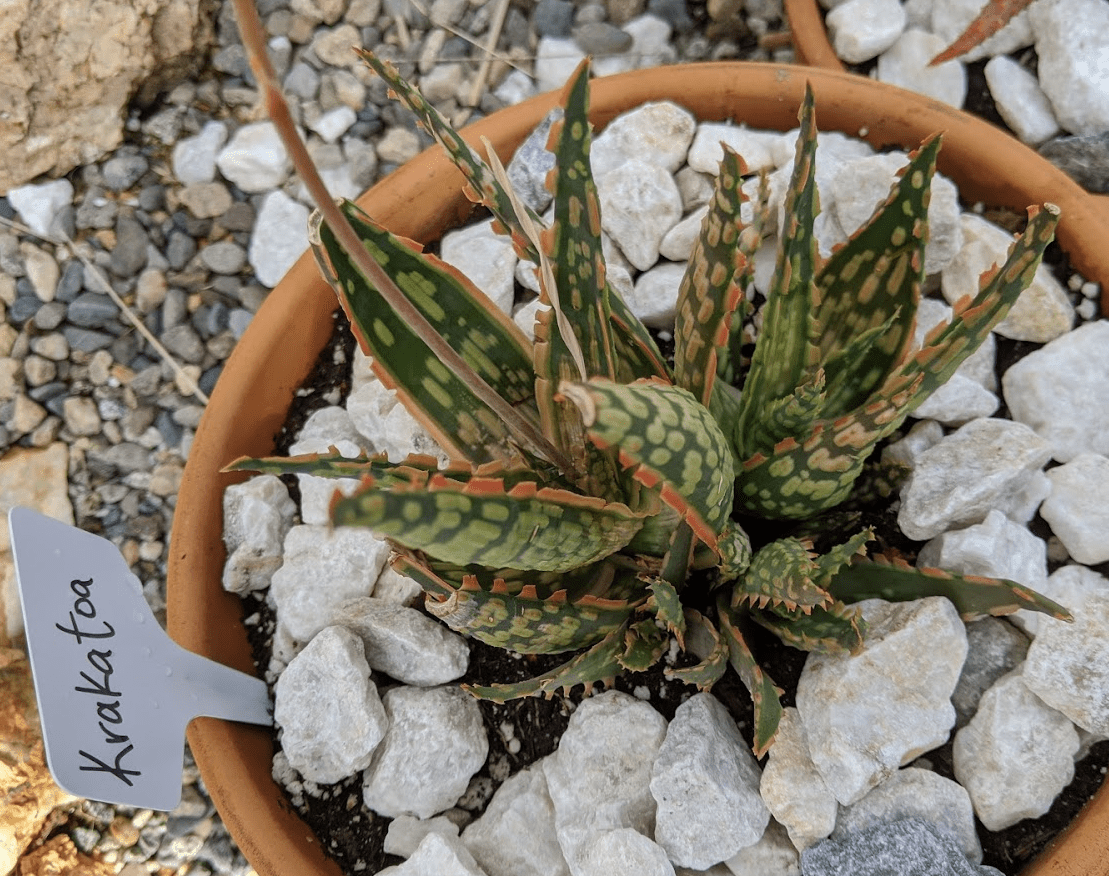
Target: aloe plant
(615,520)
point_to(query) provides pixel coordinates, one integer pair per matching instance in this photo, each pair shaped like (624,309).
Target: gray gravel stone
(182,340)
(129,253)
(92,310)
(123,171)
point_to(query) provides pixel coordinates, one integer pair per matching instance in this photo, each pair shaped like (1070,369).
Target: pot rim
(280,346)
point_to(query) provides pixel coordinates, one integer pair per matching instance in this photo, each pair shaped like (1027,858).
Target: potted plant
(235,760)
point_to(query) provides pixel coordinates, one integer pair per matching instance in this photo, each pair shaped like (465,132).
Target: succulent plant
(607,516)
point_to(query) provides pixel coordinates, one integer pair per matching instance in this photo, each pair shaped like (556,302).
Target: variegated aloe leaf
(665,604)
(465,318)
(669,441)
(644,644)
(525,527)
(706,673)
(599,663)
(783,573)
(637,354)
(532,619)
(764,693)
(834,629)
(974,596)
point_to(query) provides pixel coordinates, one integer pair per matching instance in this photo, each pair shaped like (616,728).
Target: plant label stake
(114,691)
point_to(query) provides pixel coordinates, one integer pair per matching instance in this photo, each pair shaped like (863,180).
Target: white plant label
(114,691)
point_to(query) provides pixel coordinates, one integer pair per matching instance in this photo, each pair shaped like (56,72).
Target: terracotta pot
(421,200)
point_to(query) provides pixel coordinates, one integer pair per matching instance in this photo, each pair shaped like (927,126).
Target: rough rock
(437,855)
(71,69)
(639,204)
(659,133)
(706,784)
(1077,511)
(925,434)
(1058,390)
(623,852)
(868,714)
(255,160)
(599,778)
(994,648)
(521,807)
(863,29)
(1068,663)
(316,492)
(39,204)
(403,643)
(328,709)
(435,743)
(916,793)
(773,854)
(793,788)
(386,425)
(556,58)
(406,833)
(910,847)
(759,149)
(1020,101)
(257,515)
(486,258)
(349,559)
(997,548)
(654,296)
(1015,755)
(906,64)
(1072,43)
(679,241)
(1084,158)
(280,237)
(528,169)
(194,158)
(984,465)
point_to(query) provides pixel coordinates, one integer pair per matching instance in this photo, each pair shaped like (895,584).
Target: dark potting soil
(523,731)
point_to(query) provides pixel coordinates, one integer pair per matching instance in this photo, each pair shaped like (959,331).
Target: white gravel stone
(1077,510)
(793,788)
(623,852)
(257,515)
(997,548)
(386,425)
(986,464)
(868,714)
(255,160)
(1015,755)
(348,559)
(487,259)
(951,17)
(334,123)
(639,204)
(994,648)
(1072,47)
(279,238)
(757,148)
(679,241)
(39,204)
(863,29)
(407,832)
(328,709)
(921,793)
(525,315)
(659,133)
(925,434)
(706,784)
(404,643)
(392,586)
(1059,390)
(1020,101)
(556,58)
(1068,663)
(437,855)
(773,855)
(655,295)
(435,743)
(317,492)
(906,64)
(599,778)
(521,807)
(194,158)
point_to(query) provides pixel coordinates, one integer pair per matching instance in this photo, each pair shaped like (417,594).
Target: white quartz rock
(404,643)
(330,715)
(706,784)
(985,464)
(1015,755)
(793,788)
(921,793)
(997,547)
(556,58)
(392,586)
(406,833)
(386,425)
(657,132)
(194,158)
(639,204)
(994,648)
(257,515)
(1059,390)
(868,714)
(526,314)
(1068,664)
(599,778)
(486,258)
(326,430)
(654,297)
(773,855)
(958,401)
(521,807)
(279,238)
(951,17)
(623,852)
(757,148)
(324,567)
(435,743)
(437,855)
(678,243)
(925,434)
(1020,101)
(1072,46)
(255,160)
(1077,510)
(906,64)
(863,29)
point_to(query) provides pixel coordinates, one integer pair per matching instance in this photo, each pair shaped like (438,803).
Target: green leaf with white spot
(832,629)
(644,644)
(764,693)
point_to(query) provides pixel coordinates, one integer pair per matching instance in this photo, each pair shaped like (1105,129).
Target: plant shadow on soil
(354,836)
